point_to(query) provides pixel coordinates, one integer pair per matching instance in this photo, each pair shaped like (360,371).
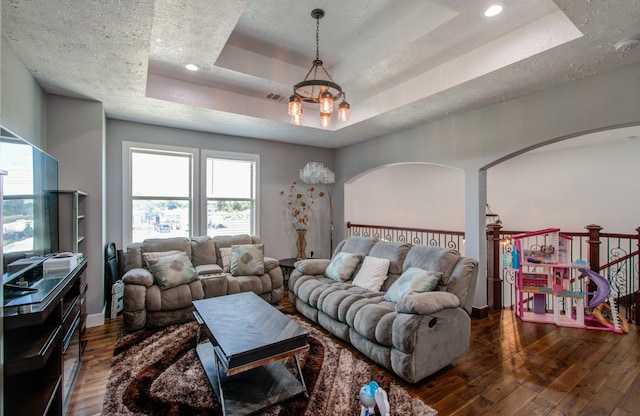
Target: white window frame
(205,154)
(194,213)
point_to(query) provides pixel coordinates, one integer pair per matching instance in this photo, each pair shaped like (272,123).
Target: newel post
(593,251)
(494,281)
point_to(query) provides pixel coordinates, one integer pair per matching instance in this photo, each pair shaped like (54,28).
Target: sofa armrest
(270,263)
(138,276)
(427,303)
(312,266)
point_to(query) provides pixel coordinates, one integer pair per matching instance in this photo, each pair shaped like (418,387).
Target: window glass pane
(160,175)
(228,178)
(159,218)
(17,225)
(17,160)
(229,217)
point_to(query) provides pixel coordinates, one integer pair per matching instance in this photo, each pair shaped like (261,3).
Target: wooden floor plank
(511,368)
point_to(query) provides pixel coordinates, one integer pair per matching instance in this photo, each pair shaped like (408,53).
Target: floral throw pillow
(172,271)
(154,255)
(247,260)
(342,266)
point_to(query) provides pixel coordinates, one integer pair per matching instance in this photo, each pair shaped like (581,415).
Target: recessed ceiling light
(191,67)
(493,10)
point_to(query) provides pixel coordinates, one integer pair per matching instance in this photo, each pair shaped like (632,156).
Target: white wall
(569,188)
(407,195)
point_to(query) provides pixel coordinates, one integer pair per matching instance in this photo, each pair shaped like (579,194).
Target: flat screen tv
(29,201)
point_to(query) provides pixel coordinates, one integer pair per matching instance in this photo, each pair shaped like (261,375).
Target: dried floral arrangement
(299,204)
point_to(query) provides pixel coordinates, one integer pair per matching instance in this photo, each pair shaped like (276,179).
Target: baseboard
(480,313)
(96,319)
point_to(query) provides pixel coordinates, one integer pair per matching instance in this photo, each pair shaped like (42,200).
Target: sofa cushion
(433,258)
(172,271)
(413,280)
(356,245)
(203,251)
(247,260)
(395,252)
(372,273)
(166,244)
(154,255)
(342,266)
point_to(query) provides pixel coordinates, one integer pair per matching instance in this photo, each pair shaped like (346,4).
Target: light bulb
(343,111)
(295,105)
(326,102)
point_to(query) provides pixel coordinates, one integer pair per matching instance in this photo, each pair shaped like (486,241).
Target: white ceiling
(400,63)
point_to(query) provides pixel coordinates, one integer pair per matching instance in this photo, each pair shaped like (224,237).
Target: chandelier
(319,91)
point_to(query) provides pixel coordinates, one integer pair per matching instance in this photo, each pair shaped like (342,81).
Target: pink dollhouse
(547,279)
(544,275)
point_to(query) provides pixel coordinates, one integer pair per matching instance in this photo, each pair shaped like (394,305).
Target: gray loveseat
(418,334)
(151,300)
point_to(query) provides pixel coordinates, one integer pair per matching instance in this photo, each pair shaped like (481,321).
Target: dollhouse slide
(602,287)
(604,313)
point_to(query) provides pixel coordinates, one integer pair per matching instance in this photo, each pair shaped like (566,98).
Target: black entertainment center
(42,340)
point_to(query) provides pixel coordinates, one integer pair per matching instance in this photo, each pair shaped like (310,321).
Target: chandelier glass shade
(323,92)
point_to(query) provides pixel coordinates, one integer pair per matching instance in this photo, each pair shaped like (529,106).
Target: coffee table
(247,339)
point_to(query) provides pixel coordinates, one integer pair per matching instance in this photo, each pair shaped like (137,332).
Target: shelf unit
(72,212)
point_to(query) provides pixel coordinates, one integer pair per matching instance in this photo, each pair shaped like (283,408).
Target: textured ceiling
(400,63)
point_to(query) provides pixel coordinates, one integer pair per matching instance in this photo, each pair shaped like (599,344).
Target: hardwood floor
(512,368)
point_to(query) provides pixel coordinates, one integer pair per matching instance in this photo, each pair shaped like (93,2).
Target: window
(160,192)
(231,202)
(164,195)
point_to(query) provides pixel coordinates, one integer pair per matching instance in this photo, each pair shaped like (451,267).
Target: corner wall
(76,139)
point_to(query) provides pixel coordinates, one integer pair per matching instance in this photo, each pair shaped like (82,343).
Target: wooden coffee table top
(247,329)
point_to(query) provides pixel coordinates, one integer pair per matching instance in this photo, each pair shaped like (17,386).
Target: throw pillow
(172,271)
(225,255)
(247,260)
(412,280)
(154,255)
(372,273)
(342,266)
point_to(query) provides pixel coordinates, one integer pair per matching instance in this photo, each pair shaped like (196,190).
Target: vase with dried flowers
(299,206)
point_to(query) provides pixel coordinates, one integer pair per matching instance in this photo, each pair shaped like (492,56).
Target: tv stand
(42,343)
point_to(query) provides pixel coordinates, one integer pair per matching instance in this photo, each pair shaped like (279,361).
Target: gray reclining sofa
(151,299)
(414,335)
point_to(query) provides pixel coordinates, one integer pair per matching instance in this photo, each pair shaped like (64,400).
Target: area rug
(159,373)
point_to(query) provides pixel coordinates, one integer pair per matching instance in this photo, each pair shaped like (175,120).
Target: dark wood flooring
(512,368)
